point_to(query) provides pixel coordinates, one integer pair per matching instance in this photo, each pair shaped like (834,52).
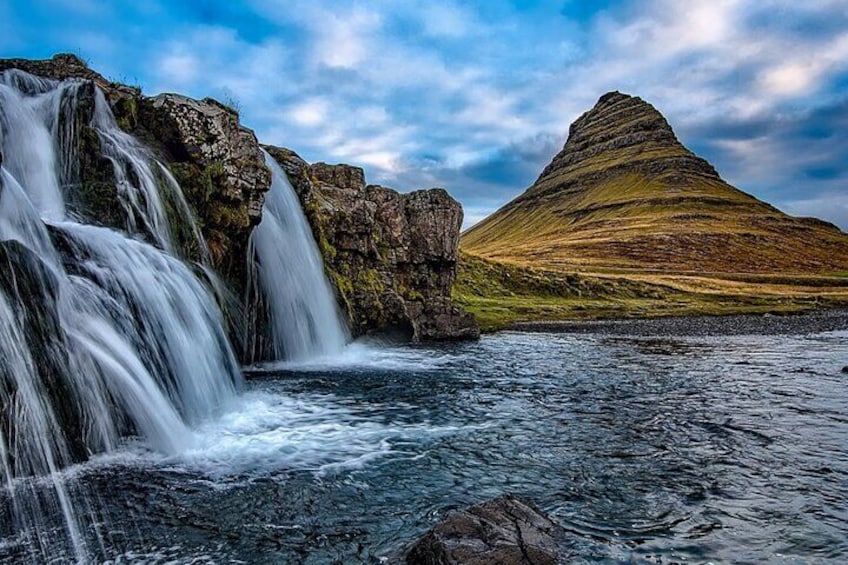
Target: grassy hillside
(624,194)
(502,295)
(627,222)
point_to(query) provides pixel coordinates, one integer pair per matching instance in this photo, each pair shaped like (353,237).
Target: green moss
(328,252)
(126,113)
(369,279)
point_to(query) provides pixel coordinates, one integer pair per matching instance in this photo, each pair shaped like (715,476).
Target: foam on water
(364,355)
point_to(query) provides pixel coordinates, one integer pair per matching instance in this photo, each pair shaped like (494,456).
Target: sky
(477,96)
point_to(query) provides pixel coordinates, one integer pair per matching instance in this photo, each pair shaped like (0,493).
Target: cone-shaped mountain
(624,193)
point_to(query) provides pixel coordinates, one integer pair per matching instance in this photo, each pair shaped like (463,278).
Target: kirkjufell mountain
(624,193)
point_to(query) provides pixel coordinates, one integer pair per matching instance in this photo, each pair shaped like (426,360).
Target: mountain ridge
(625,193)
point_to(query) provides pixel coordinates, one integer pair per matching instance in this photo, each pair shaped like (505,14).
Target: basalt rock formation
(391,257)
(624,193)
(217,161)
(506,530)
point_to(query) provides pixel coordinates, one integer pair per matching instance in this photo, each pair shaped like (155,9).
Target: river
(646,448)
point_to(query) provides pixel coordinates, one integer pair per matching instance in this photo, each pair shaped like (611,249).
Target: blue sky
(478,96)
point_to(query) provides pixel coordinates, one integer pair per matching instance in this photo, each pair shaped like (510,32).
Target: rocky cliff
(216,160)
(392,257)
(624,193)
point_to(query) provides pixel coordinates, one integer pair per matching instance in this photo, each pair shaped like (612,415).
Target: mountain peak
(623,131)
(624,192)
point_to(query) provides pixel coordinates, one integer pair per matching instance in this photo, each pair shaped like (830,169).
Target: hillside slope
(625,195)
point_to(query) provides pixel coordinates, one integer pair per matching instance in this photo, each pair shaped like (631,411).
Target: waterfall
(102,333)
(304,319)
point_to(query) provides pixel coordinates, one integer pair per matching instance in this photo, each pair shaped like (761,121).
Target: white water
(304,320)
(146,351)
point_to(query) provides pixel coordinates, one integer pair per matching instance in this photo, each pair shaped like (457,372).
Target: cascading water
(304,320)
(101,334)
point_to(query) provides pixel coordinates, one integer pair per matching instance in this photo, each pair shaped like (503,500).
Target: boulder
(505,531)
(391,257)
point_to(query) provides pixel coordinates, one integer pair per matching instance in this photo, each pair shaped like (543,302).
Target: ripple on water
(645,448)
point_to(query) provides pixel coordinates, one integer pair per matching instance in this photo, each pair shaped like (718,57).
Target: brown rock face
(64,66)
(392,257)
(505,531)
(217,162)
(624,193)
(220,167)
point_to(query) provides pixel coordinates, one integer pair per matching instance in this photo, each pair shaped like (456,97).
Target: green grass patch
(502,295)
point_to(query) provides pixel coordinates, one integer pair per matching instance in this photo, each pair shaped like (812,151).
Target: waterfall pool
(646,448)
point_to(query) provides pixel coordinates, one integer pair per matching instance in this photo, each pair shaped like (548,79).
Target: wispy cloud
(478,96)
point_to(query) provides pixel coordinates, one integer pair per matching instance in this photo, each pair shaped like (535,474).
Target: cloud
(310,113)
(830,207)
(478,96)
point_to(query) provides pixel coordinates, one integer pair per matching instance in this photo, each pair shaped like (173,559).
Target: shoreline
(794,323)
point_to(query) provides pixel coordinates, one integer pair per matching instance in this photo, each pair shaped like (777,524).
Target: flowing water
(654,449)
(304,320)
(102,333)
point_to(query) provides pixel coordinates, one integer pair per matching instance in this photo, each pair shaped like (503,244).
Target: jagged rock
(624,193)
(391,256)
(505,531)
(64,66)
(220,167)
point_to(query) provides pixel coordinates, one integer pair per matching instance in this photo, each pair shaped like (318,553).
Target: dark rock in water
(506,530)
(845,369)
(32,293)
(391,256)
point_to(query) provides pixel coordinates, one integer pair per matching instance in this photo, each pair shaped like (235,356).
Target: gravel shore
(743,324)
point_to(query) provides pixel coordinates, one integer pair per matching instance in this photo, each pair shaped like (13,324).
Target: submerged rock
(391,257)
(506,530)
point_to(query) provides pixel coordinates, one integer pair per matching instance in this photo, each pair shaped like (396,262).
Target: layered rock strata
(624,193)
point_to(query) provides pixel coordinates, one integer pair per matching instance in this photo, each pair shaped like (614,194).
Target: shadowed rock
(216,160)
(505,531)
(31,291)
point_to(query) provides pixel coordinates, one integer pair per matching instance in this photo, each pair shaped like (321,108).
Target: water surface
(653,449)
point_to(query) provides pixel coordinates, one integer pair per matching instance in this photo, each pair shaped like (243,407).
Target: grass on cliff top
(503,295)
